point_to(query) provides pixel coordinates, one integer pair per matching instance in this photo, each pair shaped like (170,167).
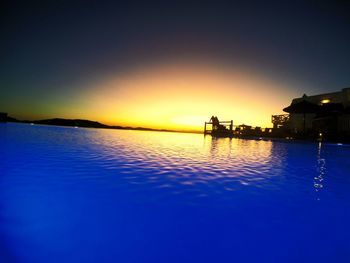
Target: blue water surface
(96,195)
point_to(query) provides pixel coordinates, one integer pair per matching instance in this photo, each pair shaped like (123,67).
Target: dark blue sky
(54,48)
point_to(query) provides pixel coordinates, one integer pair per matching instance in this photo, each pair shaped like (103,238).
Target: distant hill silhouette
(83,124)
(74,123)
(10,119)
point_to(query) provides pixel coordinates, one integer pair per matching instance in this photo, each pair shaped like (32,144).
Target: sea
(99,195)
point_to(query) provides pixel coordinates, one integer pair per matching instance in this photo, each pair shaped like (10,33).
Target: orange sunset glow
(183,97)
(174,131)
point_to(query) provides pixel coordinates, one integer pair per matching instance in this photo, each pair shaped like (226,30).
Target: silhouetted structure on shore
(322,117)
(219,128)
(3,117)
(319,117)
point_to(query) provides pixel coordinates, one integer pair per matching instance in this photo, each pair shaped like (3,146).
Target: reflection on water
(89,195)
(321,168)
(146,161)
(181,162)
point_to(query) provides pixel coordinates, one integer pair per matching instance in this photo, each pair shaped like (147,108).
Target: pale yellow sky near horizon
(175,96)
(183,97)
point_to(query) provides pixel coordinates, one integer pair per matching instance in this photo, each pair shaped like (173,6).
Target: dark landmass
(87,124)
(68,122)
(246,134)
(10,119)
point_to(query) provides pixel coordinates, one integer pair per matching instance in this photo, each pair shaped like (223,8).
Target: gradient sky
(169,64)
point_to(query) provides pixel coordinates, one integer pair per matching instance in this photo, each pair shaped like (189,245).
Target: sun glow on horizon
(182,97)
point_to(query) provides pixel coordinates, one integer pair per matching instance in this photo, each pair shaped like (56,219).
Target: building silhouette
(325,114)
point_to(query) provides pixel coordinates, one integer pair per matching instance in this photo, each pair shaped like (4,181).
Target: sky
(169,64)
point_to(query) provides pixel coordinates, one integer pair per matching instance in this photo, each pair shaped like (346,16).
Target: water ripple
(142,161)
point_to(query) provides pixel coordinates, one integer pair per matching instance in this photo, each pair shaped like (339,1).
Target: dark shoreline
(80,123)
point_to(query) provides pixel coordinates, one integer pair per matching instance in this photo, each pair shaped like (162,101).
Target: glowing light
(184,96)
(325,101)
